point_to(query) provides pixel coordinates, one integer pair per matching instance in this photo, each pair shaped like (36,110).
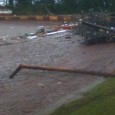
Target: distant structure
(5,12)
(2,2)
(3,9)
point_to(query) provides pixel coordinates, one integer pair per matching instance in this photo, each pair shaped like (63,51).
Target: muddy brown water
(32,92)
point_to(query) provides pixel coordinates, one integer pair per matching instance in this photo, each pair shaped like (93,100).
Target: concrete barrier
(60,18)
(67,18)
(2,18)
(46,18)
(38,18)
(16,18)
(31,18)
(53,18)
(9,18)
(24,18)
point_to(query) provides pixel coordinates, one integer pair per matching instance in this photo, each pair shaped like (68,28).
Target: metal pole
(79,71)
(98,26)
(15,72)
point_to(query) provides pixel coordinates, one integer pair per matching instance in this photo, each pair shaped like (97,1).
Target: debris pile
(43,31)
(52,30)
(97,28)
(64,30)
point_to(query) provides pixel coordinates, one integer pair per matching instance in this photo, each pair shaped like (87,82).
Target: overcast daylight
(57,57)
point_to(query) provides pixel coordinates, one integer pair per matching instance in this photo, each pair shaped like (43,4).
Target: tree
(61,6)
(24,2)
(11,2)
(70,6)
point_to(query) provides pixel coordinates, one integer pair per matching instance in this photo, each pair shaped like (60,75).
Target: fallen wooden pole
(98,26)
(79,71)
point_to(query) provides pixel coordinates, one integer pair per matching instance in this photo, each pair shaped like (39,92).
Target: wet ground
(32,92)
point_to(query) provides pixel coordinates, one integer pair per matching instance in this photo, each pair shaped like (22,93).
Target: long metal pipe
(47,68)
(98,26)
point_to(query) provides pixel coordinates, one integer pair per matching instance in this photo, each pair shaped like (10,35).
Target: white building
(4,11)
(2,2)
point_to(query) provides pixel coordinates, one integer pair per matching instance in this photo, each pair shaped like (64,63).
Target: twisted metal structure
(97,28)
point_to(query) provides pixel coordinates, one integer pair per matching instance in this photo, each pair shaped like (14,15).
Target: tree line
(44,7)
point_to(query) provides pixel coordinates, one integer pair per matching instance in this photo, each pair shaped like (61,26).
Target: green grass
(98,101)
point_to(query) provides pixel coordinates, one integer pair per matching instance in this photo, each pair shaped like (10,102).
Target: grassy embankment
(99,101)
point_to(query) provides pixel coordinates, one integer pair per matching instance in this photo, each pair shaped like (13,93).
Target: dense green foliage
(99,101)
(59,7)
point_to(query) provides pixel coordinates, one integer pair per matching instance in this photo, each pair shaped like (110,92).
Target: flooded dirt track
(34,92)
